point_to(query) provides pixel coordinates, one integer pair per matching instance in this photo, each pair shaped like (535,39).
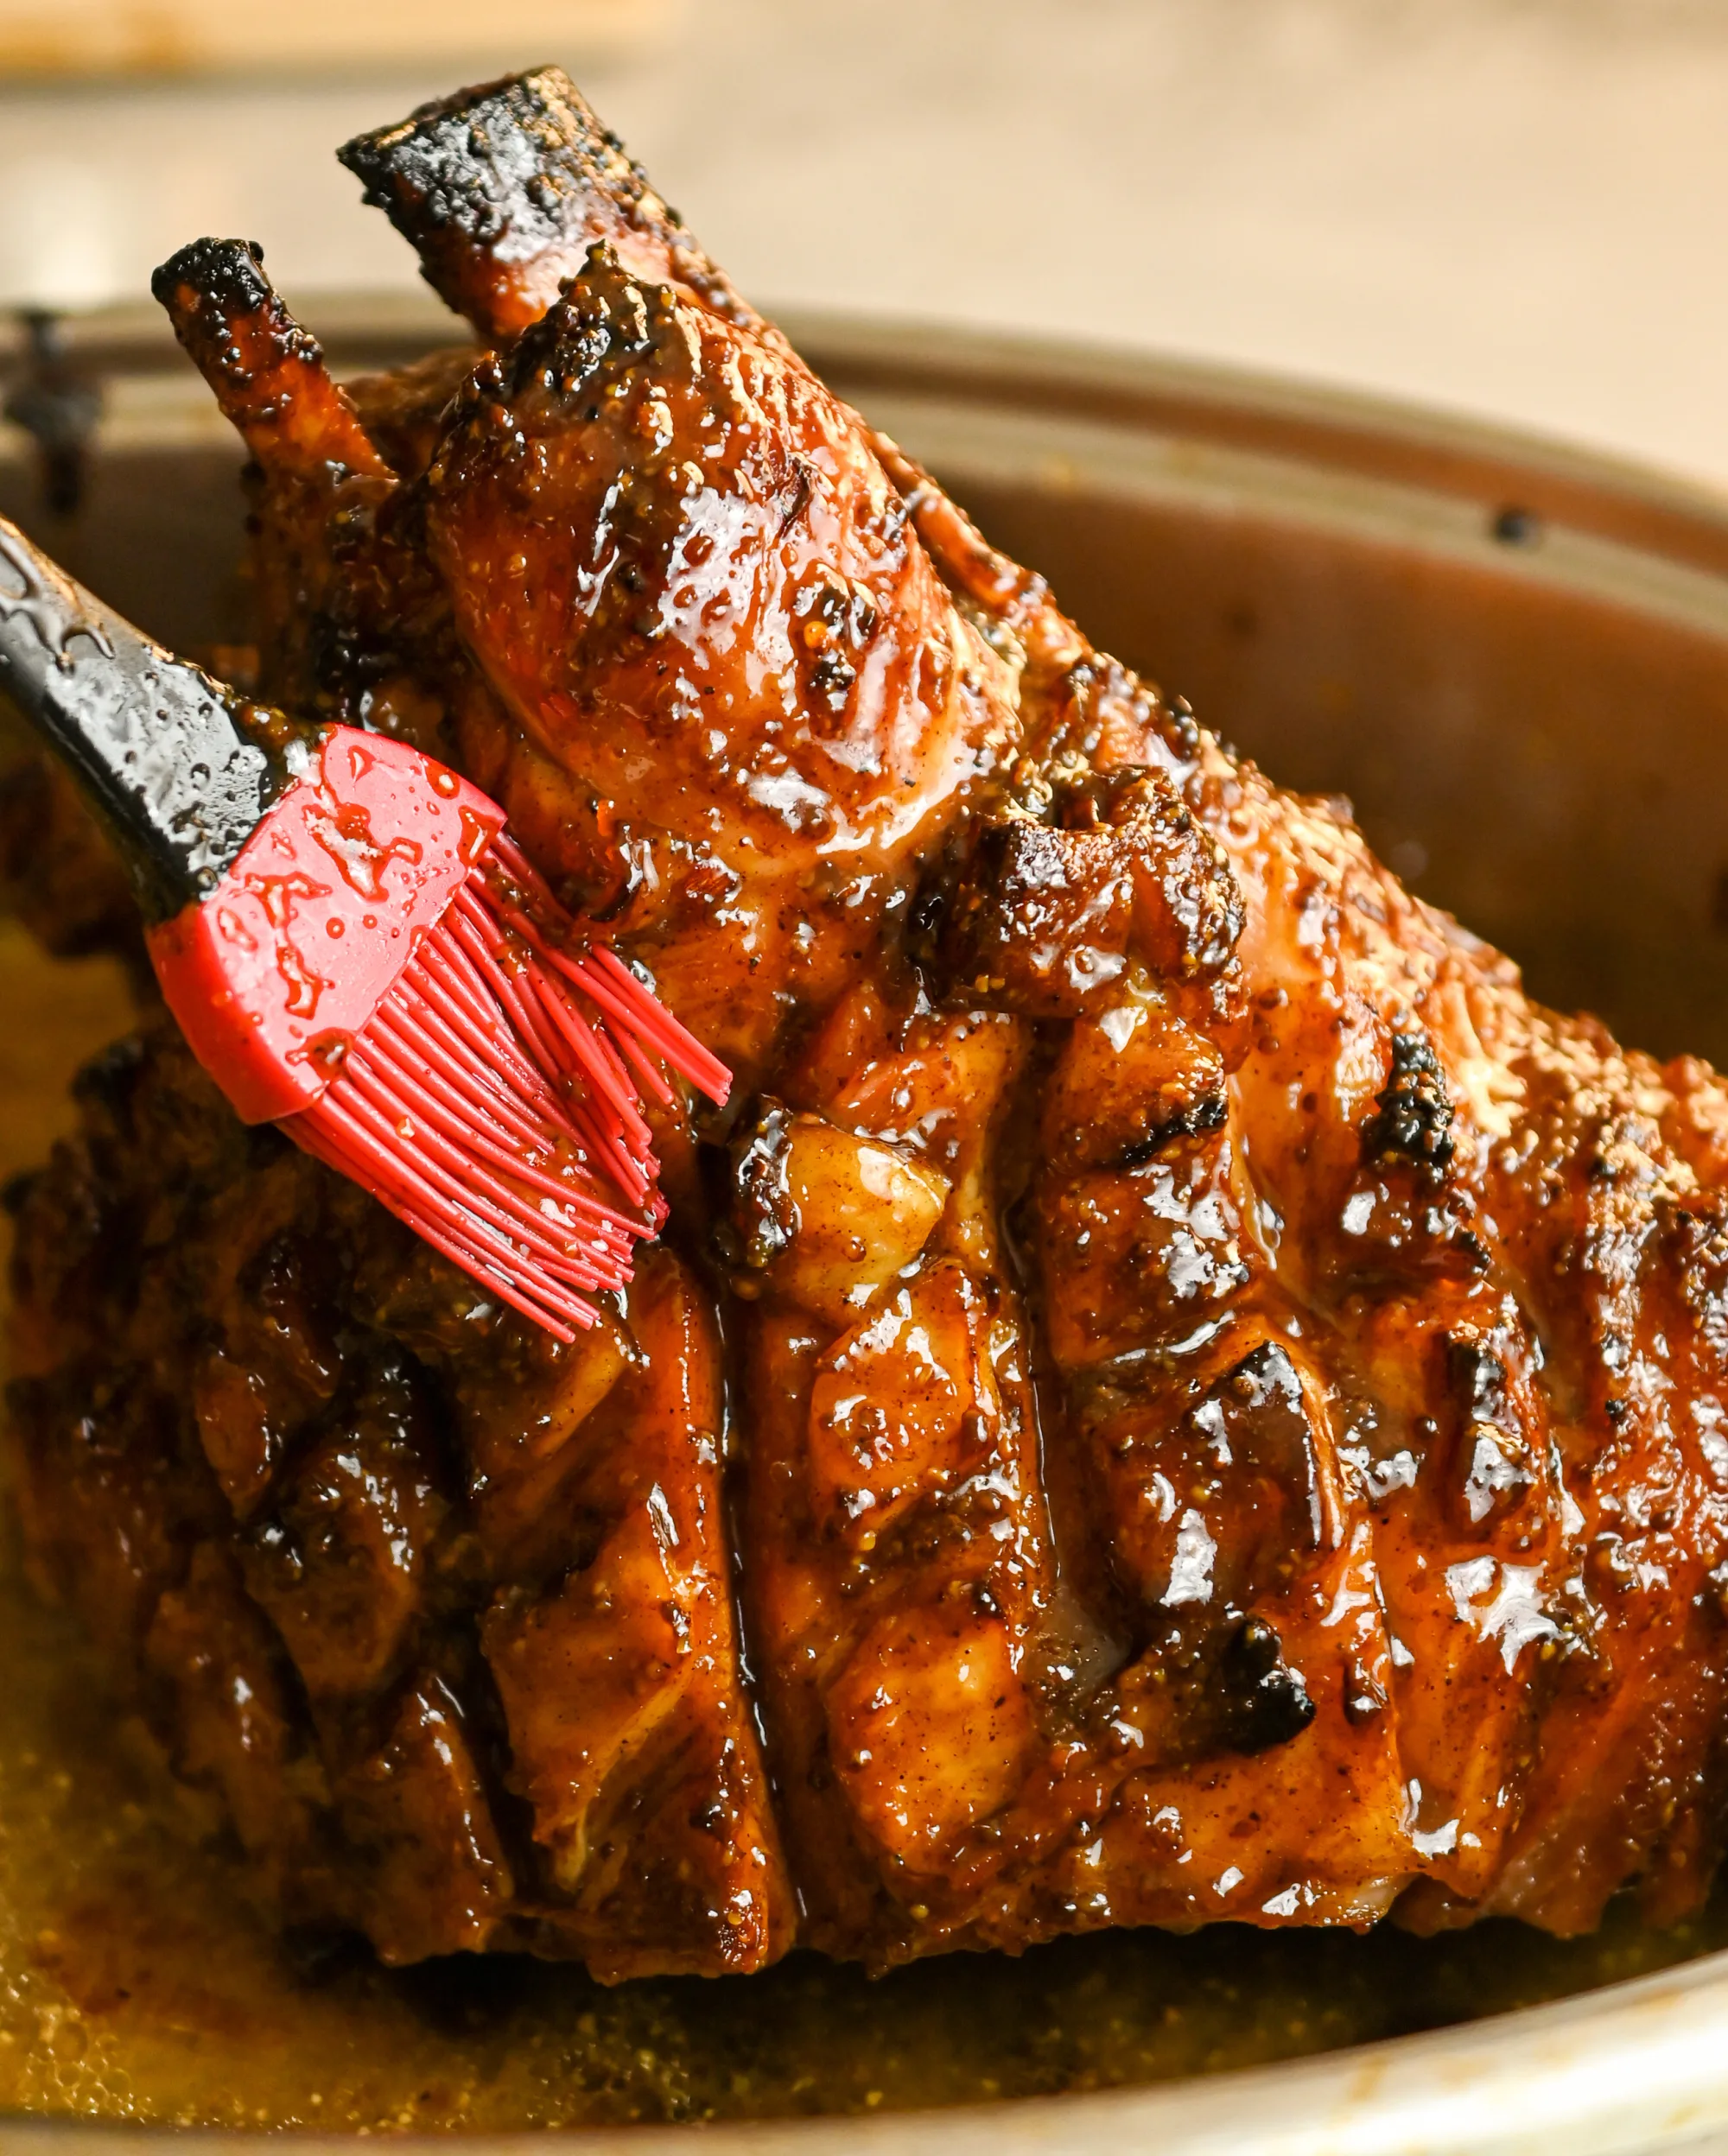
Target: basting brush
(357,950)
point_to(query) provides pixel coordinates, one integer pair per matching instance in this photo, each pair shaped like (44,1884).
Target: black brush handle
(182,768)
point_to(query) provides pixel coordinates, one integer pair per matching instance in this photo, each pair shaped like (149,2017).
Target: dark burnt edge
(524,157)
(1265,1702)
(225,275)
(267,371)
(229,317)
(1412,1122)
(180,767)
(461,172)
(439,169)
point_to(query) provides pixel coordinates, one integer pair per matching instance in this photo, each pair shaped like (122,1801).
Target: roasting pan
(1510,654)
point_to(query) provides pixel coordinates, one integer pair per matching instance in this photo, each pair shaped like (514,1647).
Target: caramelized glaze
(1182,1397)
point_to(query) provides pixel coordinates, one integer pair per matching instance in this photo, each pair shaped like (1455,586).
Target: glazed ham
(1175,1393)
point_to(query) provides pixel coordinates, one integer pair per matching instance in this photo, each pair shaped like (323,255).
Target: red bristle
(467,989)
(630,1141)
(497,1091)
(468,1179)
(544,1018)
(614,1062)
(603,1069)
(439,972)
(605,1132)
(464,1210)
(426,1021)
(527,1223)
(630,1005)
(656,1022)
(597,988)
(358,1124)
(631,1002)
(435,978)
(516,864)
(489,1104)
(647,1071)
(561,1314)
(428,1089)
(590,1049)
(562,1319)
(499,997)
(507,991)
(520,1007)
(557,1314)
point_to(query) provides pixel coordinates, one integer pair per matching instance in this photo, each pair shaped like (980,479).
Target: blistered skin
(1211,1404)
(745,657)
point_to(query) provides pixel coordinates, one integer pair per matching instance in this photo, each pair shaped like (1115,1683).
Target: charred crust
(764,1218)
(1411,1126)
(1262,1702)
(490,182)
(1053,913)
(595,338)
(214,287)
(607,321)
(268,373)
(227,274)
(580,381)
(515,157)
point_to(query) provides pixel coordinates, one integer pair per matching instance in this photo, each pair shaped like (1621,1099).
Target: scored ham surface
(1176,1393)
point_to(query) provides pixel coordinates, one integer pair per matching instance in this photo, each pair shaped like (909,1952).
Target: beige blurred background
(1514,208)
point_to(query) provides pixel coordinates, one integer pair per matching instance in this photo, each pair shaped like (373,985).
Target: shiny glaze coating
(439,1607)
(267,371)
(746,679)
(1213,1404)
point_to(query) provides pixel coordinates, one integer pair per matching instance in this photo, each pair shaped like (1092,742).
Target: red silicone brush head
(383,972)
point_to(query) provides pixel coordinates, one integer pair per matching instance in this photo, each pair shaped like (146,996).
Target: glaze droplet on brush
(354,951)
